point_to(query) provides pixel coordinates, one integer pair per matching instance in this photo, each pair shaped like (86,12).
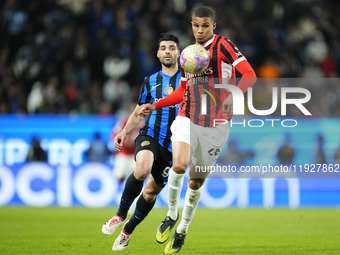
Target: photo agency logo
(238,105)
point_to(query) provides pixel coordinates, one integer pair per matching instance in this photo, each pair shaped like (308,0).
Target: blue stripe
(129,203)
(165,113)
(127,197)
(138,213)
(143,95)
(126,207)
(152,120)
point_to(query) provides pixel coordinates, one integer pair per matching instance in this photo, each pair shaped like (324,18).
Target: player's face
(203,28)
(168,53)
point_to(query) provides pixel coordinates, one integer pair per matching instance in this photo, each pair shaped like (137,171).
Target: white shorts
(124,165)
(206,142)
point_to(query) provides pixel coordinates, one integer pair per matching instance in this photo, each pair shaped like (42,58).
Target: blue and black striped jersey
(154,88)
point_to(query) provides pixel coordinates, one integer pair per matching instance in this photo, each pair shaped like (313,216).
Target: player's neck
(170,70)
(207,42)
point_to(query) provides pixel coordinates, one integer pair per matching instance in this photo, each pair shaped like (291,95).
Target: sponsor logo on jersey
(208,71)
(171,106)
(153,87)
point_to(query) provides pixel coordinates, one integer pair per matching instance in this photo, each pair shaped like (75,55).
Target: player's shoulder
(151,76)
(222,39)
(148,78)
(156,74)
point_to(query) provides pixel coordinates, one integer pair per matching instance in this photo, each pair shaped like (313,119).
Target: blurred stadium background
(71,68)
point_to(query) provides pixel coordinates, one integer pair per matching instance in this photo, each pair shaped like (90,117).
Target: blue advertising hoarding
(67,179)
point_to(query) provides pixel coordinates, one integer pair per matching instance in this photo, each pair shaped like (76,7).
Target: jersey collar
(163,74)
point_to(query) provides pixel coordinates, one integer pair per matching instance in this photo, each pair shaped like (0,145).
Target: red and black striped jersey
(224,56)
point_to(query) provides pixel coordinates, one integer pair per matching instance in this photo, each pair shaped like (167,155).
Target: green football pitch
(25,230)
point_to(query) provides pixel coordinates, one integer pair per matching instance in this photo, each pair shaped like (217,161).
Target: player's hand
(146,109)
(228,106)
(119,140)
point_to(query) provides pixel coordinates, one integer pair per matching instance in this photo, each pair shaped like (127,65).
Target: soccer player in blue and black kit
(153,152)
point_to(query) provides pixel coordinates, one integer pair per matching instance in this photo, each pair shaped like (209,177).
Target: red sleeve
(248,75)
(174,98)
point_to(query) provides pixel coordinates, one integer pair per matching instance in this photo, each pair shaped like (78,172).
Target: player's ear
(214,25)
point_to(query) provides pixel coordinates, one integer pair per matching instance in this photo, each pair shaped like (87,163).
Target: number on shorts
(214,152)
(166,172)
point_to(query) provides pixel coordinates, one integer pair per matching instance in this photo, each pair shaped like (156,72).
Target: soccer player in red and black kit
(194,130)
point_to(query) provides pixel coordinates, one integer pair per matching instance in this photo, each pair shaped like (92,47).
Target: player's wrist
(124,133)
(155,106)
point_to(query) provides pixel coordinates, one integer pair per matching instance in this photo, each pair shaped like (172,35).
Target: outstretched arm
(134,120)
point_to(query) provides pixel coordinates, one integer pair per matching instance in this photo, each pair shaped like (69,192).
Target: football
(194,59)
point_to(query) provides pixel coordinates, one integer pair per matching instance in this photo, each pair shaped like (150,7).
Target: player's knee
(142,172)
(179,167)
(195,184)
(149,197)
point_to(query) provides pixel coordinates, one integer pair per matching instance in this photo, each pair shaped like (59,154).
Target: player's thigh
(210,142)
(146,153)
(180,138)
(180,130)
(161,167)
(144,161)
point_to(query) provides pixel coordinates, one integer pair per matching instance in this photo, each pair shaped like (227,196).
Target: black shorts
(162,158)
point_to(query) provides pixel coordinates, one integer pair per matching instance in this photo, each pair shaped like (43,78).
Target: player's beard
(168,63)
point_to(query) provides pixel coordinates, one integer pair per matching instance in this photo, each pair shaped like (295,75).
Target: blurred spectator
(78,47)
(116,67)
(98,151)
(35,99)
(36,153)
(233,155)
(286,152)
(328,65)
(116,90)
(51,90)
(337,155)
(320,157)
(269,70)
(317,49)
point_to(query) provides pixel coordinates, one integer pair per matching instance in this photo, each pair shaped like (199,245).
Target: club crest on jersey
(145,143)
(168,90)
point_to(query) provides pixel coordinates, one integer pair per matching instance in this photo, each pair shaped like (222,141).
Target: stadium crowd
(90,56)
